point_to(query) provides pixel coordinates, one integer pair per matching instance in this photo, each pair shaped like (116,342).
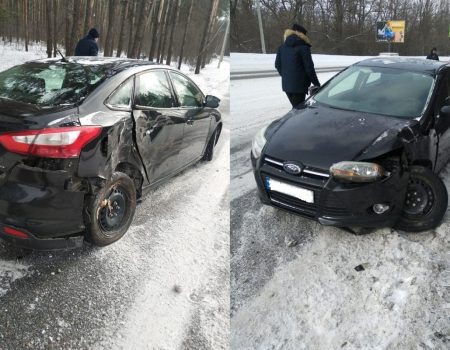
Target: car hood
(319,136)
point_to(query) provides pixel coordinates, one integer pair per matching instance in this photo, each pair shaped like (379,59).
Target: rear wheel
(425,203)
(111,210)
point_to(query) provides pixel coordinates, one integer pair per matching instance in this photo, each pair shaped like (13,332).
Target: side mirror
(444,113)
(211,101)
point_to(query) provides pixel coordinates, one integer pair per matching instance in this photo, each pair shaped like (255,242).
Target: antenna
(63,58)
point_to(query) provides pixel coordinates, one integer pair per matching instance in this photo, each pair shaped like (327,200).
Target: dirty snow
(10,271)
(293,281)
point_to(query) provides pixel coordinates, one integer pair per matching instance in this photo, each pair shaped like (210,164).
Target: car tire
(111,210)
(209,151)
(414,218)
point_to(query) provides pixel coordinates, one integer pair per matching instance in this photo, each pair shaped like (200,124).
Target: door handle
(190,122)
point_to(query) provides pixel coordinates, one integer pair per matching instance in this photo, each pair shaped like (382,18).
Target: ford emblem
(292,168)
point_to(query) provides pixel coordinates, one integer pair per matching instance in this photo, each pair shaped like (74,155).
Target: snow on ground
(293,281)
(164,285)
(242,62)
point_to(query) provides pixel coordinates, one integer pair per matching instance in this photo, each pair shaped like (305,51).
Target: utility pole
(225,41)
(261,32)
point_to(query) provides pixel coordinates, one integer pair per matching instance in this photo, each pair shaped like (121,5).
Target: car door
(442,126)
(159,124)
(197,118)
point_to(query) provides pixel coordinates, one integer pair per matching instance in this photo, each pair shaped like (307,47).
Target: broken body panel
(45,198)
(317,136)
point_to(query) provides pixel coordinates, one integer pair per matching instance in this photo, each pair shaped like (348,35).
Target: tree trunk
(204,37)
(48,10)
(122,27)
(75,36)
(25,20)
(188,20)
(55,29)
(67,41)
(209,36)
(109,38)
(165,26)
(153,43)
(131,15)
(139,28)
(174,27)
(87,16)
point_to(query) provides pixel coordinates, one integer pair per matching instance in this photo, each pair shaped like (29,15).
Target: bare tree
(174,22)
(109,42)
(183,42)
(156,23)
(204,37)
(122,26)
(48,9)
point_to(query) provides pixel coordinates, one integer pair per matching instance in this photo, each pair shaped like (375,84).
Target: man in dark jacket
(433,55)
(88,45)
(295,65)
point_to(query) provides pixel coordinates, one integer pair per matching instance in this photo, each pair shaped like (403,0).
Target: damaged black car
(365,150)
(82,139)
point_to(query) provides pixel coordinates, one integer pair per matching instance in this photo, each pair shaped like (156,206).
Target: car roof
(406,63)
(115,64)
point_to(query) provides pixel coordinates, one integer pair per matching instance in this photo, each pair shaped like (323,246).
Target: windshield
(50,84)
(387,91)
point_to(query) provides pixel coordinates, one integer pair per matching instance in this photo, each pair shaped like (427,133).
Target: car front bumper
(41,204)
(335,203)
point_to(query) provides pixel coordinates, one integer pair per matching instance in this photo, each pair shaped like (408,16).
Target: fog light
(380,208)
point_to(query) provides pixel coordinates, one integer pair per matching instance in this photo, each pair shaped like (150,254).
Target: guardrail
(273,73)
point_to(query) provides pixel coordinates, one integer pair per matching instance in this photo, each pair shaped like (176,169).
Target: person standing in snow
(433,55)
(295,65)
(88,45)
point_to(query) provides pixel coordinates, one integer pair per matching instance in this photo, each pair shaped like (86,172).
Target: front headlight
(258,142)
(357,171)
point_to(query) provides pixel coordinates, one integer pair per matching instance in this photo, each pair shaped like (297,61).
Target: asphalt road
(164,285)
(293,281)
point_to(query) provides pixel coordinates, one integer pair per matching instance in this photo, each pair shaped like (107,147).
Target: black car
(81,139)
(365,150)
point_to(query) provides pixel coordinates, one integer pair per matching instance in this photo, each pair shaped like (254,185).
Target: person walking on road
(295,65)
(88,45)
(433,55)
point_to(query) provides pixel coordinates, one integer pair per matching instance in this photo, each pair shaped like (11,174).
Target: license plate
(293,191)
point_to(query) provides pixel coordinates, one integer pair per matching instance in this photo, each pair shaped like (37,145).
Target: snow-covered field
(293,281)
(165,285)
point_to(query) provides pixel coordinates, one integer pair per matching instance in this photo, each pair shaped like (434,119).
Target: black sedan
(82,139)
(365,150)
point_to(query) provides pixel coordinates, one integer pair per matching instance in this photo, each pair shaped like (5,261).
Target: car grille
(325,203)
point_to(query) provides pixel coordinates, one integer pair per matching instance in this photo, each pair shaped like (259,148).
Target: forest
(342,26)
(189,31)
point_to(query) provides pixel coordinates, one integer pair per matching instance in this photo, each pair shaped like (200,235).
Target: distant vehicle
(82,138)
(365,150)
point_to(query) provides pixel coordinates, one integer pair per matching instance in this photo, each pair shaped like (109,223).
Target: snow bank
(319,301)
(242,62)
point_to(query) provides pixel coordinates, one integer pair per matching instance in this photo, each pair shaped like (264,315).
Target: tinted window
(47,84)
(188,94)
(387,91)
(122,96)
(154,90)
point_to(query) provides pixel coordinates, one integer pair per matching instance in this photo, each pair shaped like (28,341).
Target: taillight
(13,232)
(65,142)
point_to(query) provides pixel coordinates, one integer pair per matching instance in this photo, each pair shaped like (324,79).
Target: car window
(49,83)
(154,90)
(346,84)
(122,96)
(379,90)
(188,94)
(443,98)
